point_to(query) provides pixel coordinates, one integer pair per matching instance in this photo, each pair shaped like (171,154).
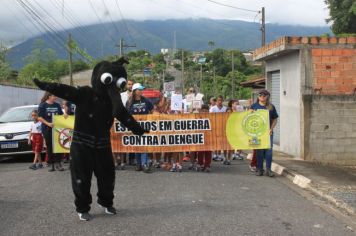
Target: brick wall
(333,129)
(334,70)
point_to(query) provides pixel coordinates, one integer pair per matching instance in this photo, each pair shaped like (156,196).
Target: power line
(238,8)
(101,22)
(69,17)
(50,28)
(111,20)
(52,34)
(19,20)
(123,20)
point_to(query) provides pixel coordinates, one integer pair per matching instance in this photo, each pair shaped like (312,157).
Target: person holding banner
(68,110)
(162,107)
(218,107)
(47,108)
(121,159)
(138,105)
(263,102)
(204,157)
(234,106)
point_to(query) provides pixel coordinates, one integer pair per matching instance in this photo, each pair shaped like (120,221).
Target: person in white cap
(138,104)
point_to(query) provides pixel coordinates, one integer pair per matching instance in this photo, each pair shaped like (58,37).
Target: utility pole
(233,75)
(182,71)
(214,79)
(263,27)
(122,46)
(163,78)
(201,76)
(70,60)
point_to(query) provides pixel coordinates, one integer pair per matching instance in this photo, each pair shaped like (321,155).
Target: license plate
(9,145)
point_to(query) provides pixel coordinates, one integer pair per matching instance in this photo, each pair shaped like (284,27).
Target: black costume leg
(104,170)
(81,167)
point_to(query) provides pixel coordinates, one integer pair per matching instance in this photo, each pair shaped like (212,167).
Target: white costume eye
(106,78)
(121,83)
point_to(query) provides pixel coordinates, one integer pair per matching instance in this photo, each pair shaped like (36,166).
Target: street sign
(147,72)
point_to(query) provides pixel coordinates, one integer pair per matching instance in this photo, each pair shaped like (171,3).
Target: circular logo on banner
(254,124)
(65,137)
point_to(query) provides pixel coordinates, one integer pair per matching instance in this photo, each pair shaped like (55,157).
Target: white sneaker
(84,216)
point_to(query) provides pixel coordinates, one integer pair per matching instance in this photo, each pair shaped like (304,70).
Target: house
(312,81)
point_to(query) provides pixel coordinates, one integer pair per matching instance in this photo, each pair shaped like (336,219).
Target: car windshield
(18,114)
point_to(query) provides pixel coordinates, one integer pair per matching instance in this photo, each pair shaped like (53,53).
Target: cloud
(17,25)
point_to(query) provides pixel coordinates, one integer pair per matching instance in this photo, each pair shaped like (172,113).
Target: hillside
(152,35)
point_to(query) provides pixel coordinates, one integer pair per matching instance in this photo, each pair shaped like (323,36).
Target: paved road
(228,201)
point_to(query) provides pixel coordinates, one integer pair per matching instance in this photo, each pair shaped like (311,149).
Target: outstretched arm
(60,90)
(120,113)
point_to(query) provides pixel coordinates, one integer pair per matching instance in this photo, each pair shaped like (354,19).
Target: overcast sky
(17,25)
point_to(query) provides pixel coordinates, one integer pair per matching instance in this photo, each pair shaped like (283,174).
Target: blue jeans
(264,154)
(141,159)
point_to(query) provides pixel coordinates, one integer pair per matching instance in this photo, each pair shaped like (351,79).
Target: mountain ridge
(152,35)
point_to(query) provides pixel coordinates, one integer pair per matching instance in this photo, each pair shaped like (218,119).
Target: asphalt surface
(228,201)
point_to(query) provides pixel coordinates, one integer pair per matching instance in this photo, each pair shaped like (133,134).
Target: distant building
(312,81)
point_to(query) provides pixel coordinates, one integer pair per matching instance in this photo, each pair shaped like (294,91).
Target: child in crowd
(204,157)
(217,108)
(35,138)
(177,162)
(234,106)
(68,110)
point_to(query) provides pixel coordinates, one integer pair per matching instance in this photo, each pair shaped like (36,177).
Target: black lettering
(207,124)
(147,140)
(171,139)
(189,124)
(125,140)
(201,124)
(165,125)
(163,140)
(153,126)
(155,141)
(201,139)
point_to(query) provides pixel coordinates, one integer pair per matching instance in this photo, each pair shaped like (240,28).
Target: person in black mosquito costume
(90,150)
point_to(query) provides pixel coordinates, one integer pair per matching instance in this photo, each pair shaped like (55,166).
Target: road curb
(306,183)
(295,177)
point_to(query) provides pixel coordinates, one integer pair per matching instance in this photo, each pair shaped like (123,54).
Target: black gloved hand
(39,84)
(138,130)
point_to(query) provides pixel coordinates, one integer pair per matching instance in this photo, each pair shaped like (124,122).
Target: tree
(42,63)
(342,16)
(211,44)
(5,70)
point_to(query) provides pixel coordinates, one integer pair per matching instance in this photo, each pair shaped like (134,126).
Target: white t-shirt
(240,108)
(124,97)
(36,128)
(215,109)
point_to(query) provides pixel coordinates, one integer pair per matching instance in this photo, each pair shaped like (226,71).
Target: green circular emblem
(254,124)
